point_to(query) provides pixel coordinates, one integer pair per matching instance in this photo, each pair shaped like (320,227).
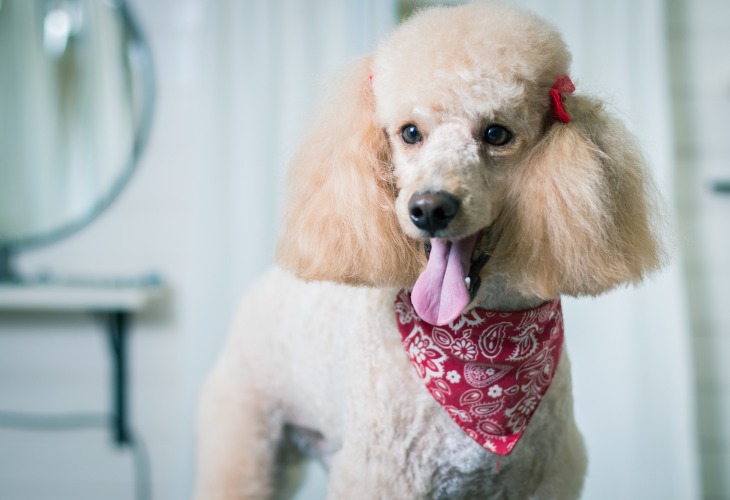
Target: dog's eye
(410,134)
(496,135)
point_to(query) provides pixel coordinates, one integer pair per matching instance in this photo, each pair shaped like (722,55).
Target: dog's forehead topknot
(469,50)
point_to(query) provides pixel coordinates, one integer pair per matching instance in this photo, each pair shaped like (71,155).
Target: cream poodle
(453,186)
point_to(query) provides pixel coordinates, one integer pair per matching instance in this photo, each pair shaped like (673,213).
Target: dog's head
(446,139)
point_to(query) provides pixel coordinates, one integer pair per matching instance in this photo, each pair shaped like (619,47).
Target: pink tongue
(440,294)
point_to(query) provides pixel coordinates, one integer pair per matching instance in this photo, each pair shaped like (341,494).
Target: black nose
(432,211)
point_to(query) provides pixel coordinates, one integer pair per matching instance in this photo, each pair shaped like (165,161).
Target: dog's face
(462,108)
(445,140)
(451,172)
(463,99)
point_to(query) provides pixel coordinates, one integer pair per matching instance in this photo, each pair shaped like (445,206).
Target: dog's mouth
(450,280)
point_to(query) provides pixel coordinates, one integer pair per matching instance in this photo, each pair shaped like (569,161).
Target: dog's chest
(402,416)
(354,387)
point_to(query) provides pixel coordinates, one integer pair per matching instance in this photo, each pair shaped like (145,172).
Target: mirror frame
(10,246)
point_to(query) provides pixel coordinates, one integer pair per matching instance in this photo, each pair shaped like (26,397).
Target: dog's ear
(340,222)
(581,214)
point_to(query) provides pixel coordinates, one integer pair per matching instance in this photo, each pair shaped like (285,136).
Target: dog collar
(489,370)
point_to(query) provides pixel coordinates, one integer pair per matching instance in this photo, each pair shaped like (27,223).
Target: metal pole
(118,324)
(7,274)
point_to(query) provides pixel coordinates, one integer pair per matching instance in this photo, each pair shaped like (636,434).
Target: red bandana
(488,369)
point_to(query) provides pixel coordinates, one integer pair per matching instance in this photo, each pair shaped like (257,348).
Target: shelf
(70,298)
(115,303)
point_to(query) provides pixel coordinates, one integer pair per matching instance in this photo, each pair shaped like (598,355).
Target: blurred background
(143,152)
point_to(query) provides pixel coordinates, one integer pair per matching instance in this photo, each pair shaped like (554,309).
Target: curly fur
(345,163)
(565,208)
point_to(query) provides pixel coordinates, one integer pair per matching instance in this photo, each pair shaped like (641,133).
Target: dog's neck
(496,295)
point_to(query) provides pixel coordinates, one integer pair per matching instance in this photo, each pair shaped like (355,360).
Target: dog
(453,186)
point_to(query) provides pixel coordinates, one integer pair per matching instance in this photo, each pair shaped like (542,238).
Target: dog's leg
(565,473)
(353,477)
(238,434)
(377,465)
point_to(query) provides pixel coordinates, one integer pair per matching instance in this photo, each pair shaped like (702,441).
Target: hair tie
(562,86)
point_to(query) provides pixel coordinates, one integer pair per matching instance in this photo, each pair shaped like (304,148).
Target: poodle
(453,186)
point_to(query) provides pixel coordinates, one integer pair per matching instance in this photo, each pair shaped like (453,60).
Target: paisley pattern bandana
(489,370)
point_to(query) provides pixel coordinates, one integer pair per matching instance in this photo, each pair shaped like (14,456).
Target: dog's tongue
(440,293)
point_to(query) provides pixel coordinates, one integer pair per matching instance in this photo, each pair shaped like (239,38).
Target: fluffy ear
(581,214)
(340,222)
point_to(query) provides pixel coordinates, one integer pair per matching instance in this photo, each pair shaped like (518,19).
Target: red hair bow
(563,85)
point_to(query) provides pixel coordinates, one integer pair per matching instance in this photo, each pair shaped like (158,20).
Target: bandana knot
(489,370)
(562,86)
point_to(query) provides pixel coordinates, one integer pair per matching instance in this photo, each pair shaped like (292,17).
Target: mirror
(76,98)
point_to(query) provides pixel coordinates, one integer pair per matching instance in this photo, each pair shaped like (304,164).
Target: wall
(699,33)
(162,222)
